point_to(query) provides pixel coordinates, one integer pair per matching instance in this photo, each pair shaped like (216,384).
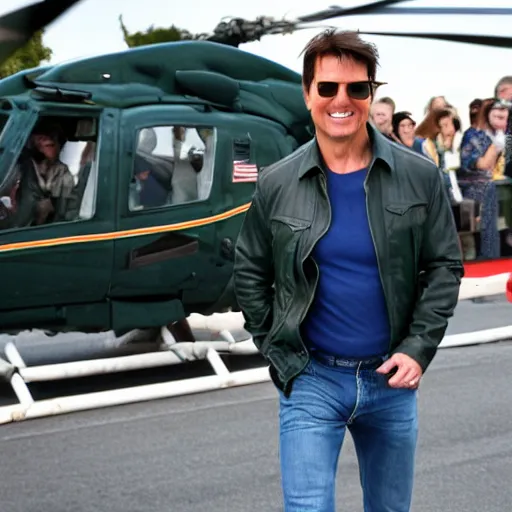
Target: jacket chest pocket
(404,228)
(404,217)
(286,234)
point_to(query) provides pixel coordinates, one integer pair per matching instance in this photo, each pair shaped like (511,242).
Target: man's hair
(476,103)
(387,101)
(506,80)
(341,44)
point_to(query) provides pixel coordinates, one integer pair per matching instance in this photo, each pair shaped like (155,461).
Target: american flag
(244,172)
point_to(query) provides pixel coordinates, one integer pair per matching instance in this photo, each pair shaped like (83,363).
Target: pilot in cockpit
(45,184)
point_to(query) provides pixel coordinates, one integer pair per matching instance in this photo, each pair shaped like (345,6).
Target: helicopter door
(55,264)
(167,254)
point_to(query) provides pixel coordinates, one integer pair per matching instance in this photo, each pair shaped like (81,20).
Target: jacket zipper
(378,259)
(307,254)
(322,233)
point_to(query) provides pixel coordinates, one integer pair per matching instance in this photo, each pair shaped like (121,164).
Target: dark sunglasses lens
(327,89)
(358,90)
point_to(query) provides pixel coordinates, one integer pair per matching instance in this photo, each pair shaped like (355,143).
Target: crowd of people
(472,161)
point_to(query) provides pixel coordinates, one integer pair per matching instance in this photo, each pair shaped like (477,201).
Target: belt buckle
(345,363)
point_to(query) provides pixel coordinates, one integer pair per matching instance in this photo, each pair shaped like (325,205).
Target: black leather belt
(341,362)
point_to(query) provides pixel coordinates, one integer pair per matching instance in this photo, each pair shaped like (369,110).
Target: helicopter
(164,144)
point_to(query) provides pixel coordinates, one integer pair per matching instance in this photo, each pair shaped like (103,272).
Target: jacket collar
(381,150)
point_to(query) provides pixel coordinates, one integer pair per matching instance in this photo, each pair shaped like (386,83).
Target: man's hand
(408,371)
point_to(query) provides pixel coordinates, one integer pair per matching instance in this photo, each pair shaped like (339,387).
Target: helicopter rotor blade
(460,11)
(386,7)
(497,41)
(18,27)
(335,12)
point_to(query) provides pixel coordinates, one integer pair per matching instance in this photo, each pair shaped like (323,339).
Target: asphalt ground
(217,451)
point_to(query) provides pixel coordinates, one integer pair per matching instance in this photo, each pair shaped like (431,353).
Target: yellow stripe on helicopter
(115,235)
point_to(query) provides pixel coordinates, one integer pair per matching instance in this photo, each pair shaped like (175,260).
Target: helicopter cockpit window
(173,165)
(54,177)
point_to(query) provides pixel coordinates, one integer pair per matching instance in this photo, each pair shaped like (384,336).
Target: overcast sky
(414,69)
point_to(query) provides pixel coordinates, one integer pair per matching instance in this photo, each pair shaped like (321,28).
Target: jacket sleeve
(254,270)
(439,282)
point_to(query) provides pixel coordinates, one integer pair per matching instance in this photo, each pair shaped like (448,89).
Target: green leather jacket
(414,235)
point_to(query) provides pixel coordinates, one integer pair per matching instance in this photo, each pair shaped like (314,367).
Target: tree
(29,56)
(155,35)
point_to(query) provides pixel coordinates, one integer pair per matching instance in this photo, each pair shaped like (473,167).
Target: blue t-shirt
(348,317)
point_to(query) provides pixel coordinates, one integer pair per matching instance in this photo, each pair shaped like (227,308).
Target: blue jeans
(324,402)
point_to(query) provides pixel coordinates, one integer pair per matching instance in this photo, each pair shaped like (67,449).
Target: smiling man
(347,270)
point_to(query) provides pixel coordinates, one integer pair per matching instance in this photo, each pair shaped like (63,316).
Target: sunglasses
(502,103)
(355,90)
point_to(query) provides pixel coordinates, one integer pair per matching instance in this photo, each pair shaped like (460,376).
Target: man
(503,89)
(347,269)
(381,113)
(46,191)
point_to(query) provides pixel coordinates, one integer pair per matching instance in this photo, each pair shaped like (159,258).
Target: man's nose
(341,95)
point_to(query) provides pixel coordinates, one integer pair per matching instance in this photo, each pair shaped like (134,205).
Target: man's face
(382,114)
(505,92)
(339,117)
(446,126)
(47,146)
(498,118)
(406,131)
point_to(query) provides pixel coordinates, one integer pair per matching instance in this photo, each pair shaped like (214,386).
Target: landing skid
(198,338)
(167,351)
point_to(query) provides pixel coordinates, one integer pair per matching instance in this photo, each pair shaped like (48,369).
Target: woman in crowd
(404,132)
(481,153)
(441,130)
(435,103)
(439,103)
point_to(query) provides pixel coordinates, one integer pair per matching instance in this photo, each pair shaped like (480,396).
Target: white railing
(14,369)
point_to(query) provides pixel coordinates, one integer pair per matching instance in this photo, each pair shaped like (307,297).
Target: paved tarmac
(217,451)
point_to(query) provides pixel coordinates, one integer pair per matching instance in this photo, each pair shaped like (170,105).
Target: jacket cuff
(421,349)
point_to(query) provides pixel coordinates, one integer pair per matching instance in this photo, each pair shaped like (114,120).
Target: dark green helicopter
(163,145)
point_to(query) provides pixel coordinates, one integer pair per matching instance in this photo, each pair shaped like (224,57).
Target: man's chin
(342,135)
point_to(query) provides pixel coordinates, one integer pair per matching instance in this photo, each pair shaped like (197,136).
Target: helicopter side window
(53,179)
(173,165)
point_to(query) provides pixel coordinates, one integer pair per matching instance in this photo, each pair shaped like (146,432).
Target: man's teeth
(339,115)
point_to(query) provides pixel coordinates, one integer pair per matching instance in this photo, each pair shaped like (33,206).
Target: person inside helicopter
(44,186)
(152,175)
(186,168)
(168,169)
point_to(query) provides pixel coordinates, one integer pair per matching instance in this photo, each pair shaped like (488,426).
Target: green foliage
(29,56)
(154,35)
